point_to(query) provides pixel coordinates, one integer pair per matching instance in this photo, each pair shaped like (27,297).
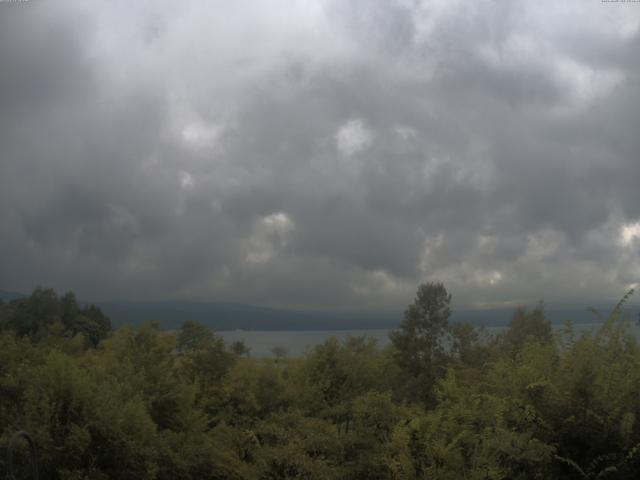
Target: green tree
(279,352)
(527,326)
(44,314)
(240,349)
(193,336)
(33,316)
(93,324)
(418,341)
(204,359)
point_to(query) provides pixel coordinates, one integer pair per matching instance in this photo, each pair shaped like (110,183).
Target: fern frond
(572,464)
(606,472)
(596,313)
(602,463)
(632,453)
(621,303)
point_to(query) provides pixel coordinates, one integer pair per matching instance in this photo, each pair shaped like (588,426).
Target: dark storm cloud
(327,155)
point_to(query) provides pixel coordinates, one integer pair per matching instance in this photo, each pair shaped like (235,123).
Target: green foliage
(193,336)
(418,341)
(240,349)
(44,314)
(527,326)
(150,404)
(279,352)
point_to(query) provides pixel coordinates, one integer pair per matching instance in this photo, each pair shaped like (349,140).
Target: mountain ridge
(224,316)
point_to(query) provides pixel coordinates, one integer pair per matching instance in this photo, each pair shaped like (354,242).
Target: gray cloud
(330,154)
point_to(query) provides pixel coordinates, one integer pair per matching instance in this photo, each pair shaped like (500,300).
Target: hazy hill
(7,296)
(232,316)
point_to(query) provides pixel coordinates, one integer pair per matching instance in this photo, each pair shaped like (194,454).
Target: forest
(442,401)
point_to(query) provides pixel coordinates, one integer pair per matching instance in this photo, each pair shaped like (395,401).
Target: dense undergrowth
(442,402)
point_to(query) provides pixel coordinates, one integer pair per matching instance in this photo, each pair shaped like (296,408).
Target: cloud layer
(328,154)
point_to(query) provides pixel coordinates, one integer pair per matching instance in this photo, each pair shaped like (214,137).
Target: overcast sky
(329,154)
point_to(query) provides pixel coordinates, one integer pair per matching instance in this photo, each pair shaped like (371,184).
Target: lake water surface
(297,342)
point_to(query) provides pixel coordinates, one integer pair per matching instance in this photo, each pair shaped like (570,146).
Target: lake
(297,342)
